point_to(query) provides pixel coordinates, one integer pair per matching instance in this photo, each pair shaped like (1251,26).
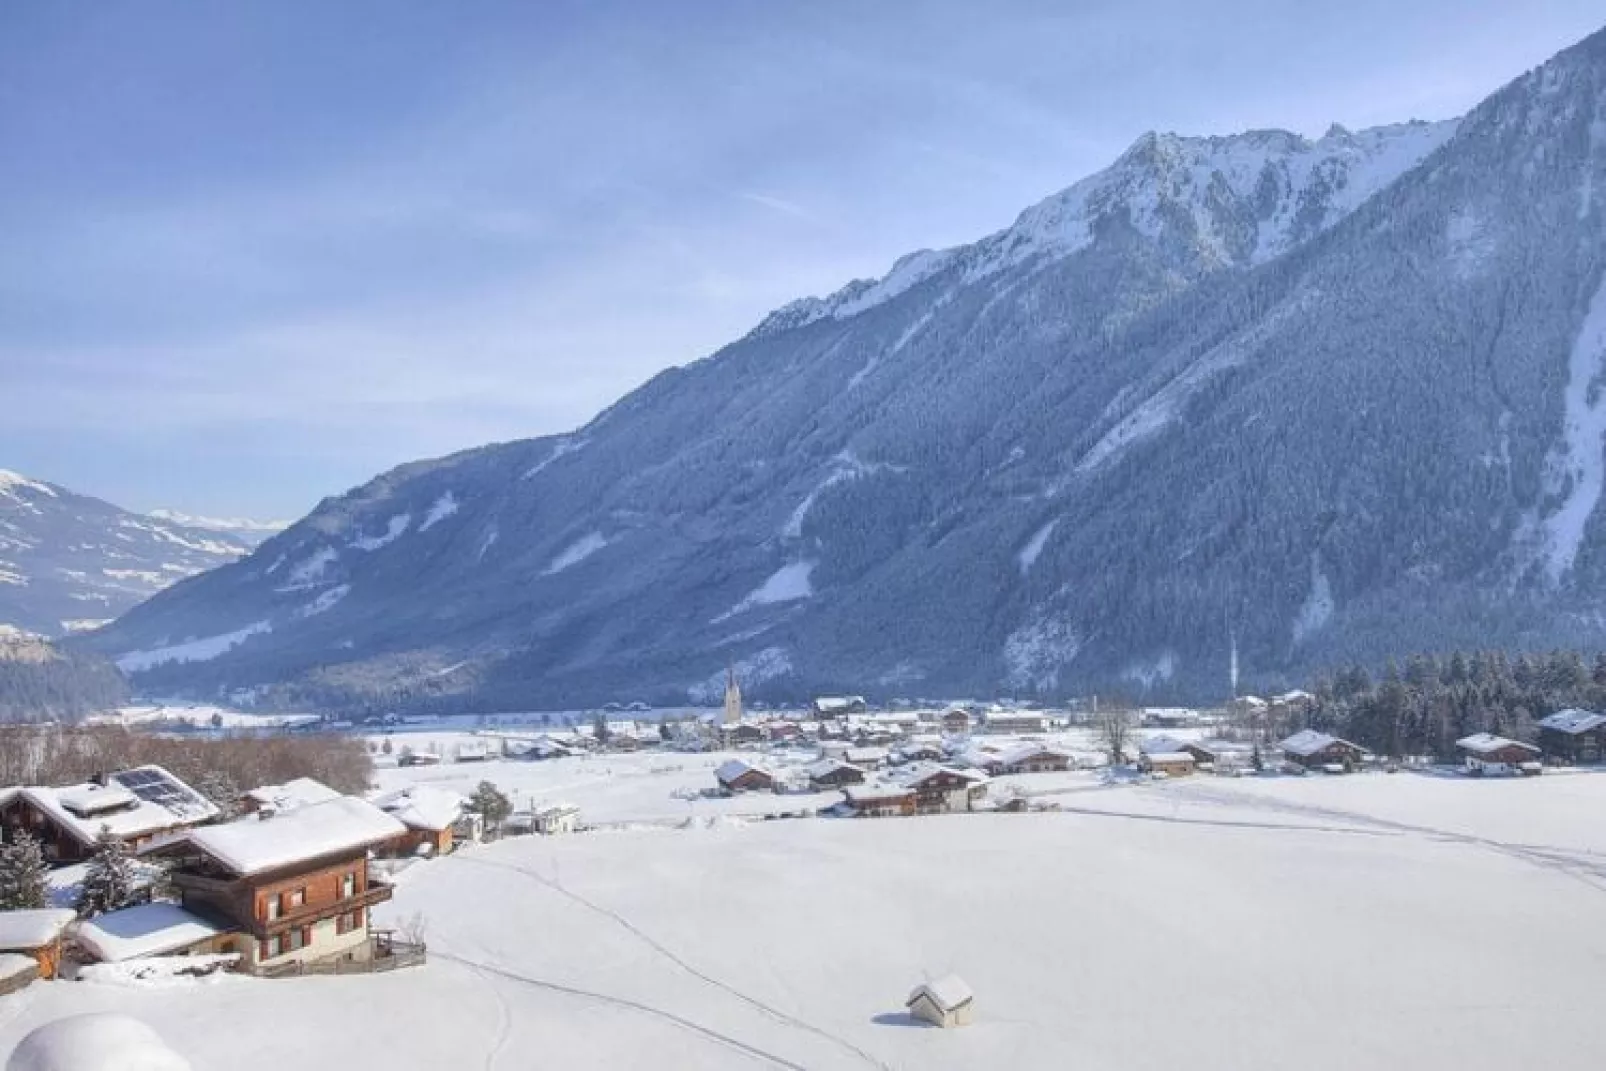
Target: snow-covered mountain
(1323,400)
(69,562)
(248,531)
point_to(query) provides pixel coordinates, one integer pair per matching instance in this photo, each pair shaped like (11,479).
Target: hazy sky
(254,253)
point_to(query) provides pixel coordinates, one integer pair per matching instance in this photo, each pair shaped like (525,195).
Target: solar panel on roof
(156,786)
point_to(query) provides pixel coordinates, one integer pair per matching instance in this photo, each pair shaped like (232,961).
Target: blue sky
(256,253)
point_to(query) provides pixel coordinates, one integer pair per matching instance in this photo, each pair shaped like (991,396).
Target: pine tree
(22,874)
(488,800)
(108,879)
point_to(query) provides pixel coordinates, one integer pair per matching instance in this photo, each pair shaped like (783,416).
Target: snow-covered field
(1324,923)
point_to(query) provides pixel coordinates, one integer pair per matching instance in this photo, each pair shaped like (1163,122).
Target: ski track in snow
(673,957)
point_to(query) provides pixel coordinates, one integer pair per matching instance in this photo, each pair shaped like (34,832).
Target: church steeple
(733,697)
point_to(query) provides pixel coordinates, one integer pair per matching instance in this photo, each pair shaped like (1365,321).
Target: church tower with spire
(733,698)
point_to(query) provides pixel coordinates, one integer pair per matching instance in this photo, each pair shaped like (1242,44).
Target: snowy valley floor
(1325,923)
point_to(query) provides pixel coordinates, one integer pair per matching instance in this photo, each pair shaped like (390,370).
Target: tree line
(1425,704)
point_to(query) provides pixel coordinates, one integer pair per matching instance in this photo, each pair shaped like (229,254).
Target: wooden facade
(944,790)
(840,775)
(1580,749)
(880,802)
(308,910)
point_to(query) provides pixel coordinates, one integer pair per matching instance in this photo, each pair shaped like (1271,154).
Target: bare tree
(1113,730)
(413,929)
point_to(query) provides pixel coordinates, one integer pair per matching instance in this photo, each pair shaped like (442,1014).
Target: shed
(1318,751)
(36,933)
(947,1002)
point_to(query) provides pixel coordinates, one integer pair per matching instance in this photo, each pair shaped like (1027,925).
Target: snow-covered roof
(1572,720)
(422,806)
(1297,695)
(731,769)
(1484,743)
(292,794)
(925,771)
(97,1041)
(948,993)
(555,809)
(1308,742)
(145,930)
(1157,744)
(132,803)
(1027,751)
(253,845)
(1168,756)
(22,930)
(865,754)
(838,702)
(15,965)
(826,767)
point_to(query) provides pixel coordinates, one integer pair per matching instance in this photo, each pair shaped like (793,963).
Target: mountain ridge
(1224,393)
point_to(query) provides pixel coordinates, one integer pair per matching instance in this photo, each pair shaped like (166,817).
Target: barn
(947,1002)
(1485,753)
(1314,750)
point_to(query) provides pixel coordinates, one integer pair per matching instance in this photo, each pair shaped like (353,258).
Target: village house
(286,797)
(879,800)
(1168,763)
(947,1002)
(1219,754)
(294,887)
(36,934)
(430,815)
(409,757)
(1485,753)
(743,734)
(920,751)
(157,929)
(1016,721)
(945,789)
(137,806)
(735,776)
(833,773)
(1033,758)
(829,706)
(1573,736)
(866,758)
(1314,750)
(554,818)
(956,720)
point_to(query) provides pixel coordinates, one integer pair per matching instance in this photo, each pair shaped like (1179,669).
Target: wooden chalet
(431,816)
(137,806)
(1314,750)
(1573,736)
(879,800)
(37,934)
(1218,754)
(956,721)
(1169,763)
(286,797)
(1485,753)
(1033,758)
(1016,721)
(742,734)
(294,888)
(866,758)
(833,773)
(945,789)
(737,776)
(834,706)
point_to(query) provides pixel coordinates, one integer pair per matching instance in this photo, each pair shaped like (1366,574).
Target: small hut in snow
(946,1002)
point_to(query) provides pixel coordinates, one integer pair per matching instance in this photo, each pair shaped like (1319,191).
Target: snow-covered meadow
(1214,923)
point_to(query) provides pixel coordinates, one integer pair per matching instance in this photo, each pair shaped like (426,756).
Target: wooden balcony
(377,893)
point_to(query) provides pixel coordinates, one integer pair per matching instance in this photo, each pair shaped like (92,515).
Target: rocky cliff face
(1324,400)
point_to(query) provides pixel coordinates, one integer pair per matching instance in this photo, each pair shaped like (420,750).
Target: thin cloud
(779,204)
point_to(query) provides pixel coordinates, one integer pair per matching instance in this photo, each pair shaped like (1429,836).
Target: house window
(273,908)
(300,937)
(348,886)
(298,897)
(351,920)
(272,946)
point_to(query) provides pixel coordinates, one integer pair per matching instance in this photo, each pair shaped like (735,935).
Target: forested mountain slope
(1319,400)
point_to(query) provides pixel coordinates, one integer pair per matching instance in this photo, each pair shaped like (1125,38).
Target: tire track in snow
(708,979)
(683,1023)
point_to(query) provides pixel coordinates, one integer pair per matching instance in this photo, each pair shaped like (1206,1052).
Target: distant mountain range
(69,562)
(1298,401)
(252,533)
